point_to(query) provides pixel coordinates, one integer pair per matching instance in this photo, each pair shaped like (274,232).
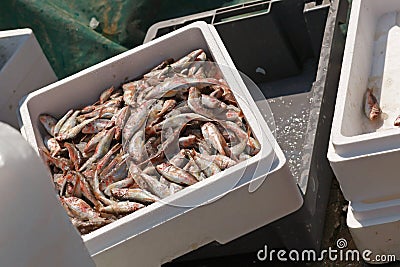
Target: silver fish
(180,120)
(240,133)
(187,141)
(167,107)
(188,58)
(73,132)
(80,208)
(105,95)
(179,160)
(206,148)
(120,119)
(61,163)
(173,188)
(208,167)
(61,122)
(136,147)
(213,136)
(153,185)
(74,155)
(85,227)
(223,162)
(193,169)
(175,174)
(101,149)
(129,93)
(254,146)
(119,185)
(52,145)
(97,126)
(91,145)
(107,157)
(134,194)
(97,192)
(243,156)
(86,190)
(48,123)
(170,86)
(69,123)
(122,207)
(135,122)
(212,102)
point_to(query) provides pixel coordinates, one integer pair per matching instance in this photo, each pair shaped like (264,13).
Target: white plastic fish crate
(23,69)
(364,155)
(375,227)
(161,232)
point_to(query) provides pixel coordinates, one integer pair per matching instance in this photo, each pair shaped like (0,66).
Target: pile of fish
(175,126)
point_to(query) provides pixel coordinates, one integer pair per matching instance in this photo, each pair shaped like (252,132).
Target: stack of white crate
(365,154)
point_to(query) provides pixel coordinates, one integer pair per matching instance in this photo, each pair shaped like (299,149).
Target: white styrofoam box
(23,69)
(376,227)
(160,232)
(366,177)
(363,154)
(34,229)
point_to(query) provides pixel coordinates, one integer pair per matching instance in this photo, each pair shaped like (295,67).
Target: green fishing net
(76,34)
